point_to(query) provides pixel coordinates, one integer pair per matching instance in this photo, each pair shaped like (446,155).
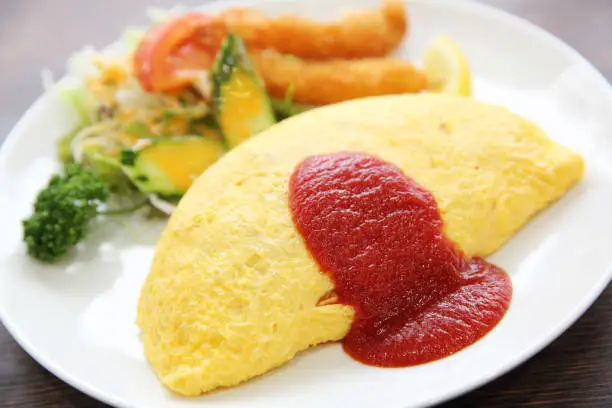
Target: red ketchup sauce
(378,235)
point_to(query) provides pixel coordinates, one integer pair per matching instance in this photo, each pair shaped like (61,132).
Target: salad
(158,142)
(166,103)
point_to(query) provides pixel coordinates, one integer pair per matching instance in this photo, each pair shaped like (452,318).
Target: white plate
(77,319)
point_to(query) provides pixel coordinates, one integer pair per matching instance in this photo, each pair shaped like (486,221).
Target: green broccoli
(63,211)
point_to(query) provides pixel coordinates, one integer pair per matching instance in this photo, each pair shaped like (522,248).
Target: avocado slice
(241,104)
(169,166)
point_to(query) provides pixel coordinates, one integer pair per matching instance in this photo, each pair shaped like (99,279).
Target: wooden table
(575,371)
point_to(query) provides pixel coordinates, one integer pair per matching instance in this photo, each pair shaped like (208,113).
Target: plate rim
(488,11)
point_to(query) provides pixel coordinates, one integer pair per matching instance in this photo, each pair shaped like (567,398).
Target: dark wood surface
(575,371)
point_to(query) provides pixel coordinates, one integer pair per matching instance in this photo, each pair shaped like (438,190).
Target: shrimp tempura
(326,82)
(364,34)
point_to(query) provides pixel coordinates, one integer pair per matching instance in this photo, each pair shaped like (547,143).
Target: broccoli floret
(62,212)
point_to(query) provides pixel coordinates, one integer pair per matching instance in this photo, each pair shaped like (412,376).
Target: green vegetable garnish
(64,149)
(210,121)
(284,109)
(63,211)
(128,157)
(132,37)
(77,96)
(289,94)
(138,129)
(169,114)
(108,169)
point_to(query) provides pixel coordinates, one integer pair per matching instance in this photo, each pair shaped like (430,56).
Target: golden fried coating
(364,34)
(326,82)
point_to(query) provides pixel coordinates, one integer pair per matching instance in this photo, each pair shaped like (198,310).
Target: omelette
(233,291)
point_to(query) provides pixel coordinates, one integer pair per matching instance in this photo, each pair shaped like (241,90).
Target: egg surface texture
(233,291)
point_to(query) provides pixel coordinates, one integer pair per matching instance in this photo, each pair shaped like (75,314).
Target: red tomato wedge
(186,43)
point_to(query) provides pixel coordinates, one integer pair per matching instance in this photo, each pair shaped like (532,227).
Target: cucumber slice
(240,101)
(169,166)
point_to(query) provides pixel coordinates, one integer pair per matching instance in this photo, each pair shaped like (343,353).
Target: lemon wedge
(447,68)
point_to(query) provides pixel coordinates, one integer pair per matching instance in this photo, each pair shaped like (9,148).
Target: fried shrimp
(325,82)
(365,34)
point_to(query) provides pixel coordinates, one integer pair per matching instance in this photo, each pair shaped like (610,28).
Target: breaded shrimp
(371,33)
(325,82)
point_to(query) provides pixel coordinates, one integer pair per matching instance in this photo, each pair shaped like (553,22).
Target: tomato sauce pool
(378,235)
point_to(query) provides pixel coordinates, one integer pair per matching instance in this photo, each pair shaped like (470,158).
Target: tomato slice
(189,42)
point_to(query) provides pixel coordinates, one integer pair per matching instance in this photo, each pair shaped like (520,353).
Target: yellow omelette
(233,291)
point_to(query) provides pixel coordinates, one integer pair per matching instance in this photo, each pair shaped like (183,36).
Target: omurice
(251,268)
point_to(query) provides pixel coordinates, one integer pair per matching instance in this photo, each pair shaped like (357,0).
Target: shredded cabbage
(132,37)
(77,96)
(161,204)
